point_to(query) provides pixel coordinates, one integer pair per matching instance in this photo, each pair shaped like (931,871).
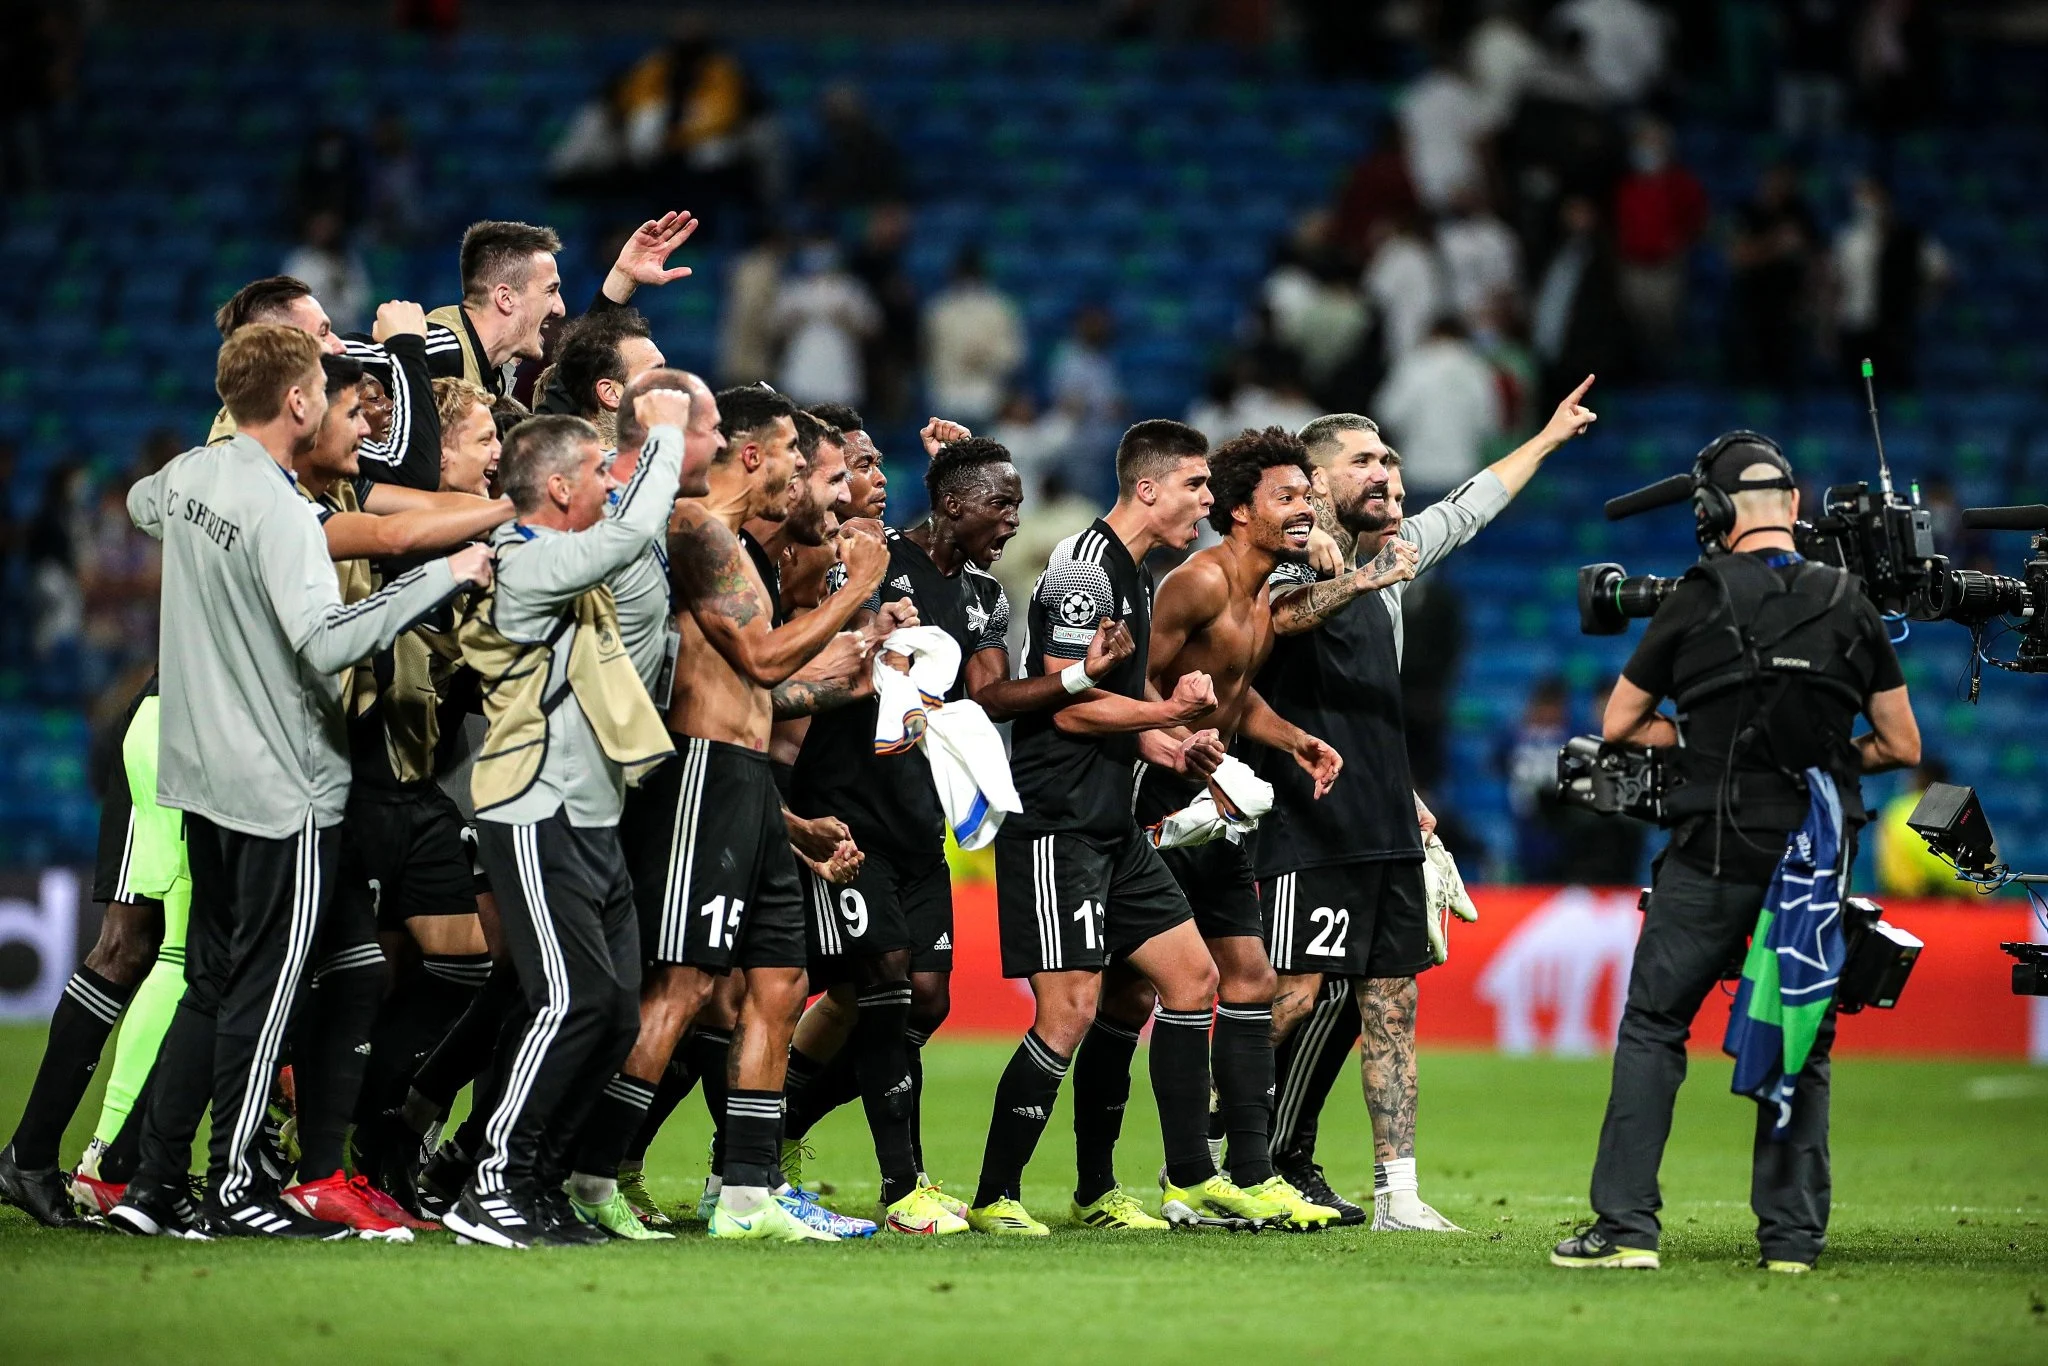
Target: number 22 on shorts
(1336,927)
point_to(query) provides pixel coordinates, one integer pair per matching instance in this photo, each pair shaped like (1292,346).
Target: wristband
(1074,678)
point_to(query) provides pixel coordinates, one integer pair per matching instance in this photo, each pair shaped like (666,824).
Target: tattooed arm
(1386,1009)
(833,679)
(713,580)
(1307,606)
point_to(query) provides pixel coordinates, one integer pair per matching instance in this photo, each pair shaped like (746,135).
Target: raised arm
(643,260)
(713,580)
(1571,418)
(1451,522)
(1303,606)
(411,454)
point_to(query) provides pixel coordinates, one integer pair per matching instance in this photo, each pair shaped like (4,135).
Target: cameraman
(1769,659)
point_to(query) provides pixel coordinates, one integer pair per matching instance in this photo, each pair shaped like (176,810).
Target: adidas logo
(1036,1112)
(899,1088)
(901,583)
(945,942)
(261,1219)
(503,1212)
(363,1049)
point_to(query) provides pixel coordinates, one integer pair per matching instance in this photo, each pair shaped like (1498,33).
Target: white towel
(970,768)
(1248,795)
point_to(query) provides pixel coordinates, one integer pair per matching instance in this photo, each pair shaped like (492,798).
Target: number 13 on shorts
(1088,918)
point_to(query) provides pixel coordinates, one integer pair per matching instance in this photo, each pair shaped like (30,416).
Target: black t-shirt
(1750,850)
(1080,784)
(1342,684)
(1693,604)
(888,801)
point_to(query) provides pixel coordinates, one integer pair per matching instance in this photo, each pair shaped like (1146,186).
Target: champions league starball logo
(1078,609)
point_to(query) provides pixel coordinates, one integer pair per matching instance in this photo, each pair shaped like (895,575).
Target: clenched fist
(472,565)
(939,433)
(1112,646)
(866,557)
(1396,562)
(1201,753)
(662,408)
(1193,694)
(399,316)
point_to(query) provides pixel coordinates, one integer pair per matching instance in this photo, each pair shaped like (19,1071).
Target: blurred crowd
(1524,216)
(88,577)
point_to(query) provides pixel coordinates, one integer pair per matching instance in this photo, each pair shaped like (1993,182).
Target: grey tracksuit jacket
(254,635)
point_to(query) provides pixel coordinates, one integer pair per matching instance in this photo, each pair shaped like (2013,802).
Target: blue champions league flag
(1795,959)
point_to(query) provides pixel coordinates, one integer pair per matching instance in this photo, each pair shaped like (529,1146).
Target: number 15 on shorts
(723,924)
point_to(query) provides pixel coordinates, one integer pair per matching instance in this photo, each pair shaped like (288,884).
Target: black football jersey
(1081,784)
(887,800)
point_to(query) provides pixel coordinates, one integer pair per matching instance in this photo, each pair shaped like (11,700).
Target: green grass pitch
(1939,1253)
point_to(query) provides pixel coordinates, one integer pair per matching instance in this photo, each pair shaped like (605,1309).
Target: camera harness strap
(1752,667)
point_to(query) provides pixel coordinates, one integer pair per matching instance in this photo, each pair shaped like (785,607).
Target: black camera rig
(2025,597)
(1613,779)
(1883,537)
(1951,820)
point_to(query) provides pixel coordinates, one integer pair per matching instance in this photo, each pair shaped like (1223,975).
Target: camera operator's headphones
(1713,507)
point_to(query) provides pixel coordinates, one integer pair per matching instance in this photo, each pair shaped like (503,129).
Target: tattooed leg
(1293,1000)
(1386,1009)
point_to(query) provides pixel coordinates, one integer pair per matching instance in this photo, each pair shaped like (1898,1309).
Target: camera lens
(1640,596)
(1608,598)
(1971,597)
(1600,611)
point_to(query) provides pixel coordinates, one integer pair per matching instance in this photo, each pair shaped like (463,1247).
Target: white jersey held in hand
(970,768)
(1246,798)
